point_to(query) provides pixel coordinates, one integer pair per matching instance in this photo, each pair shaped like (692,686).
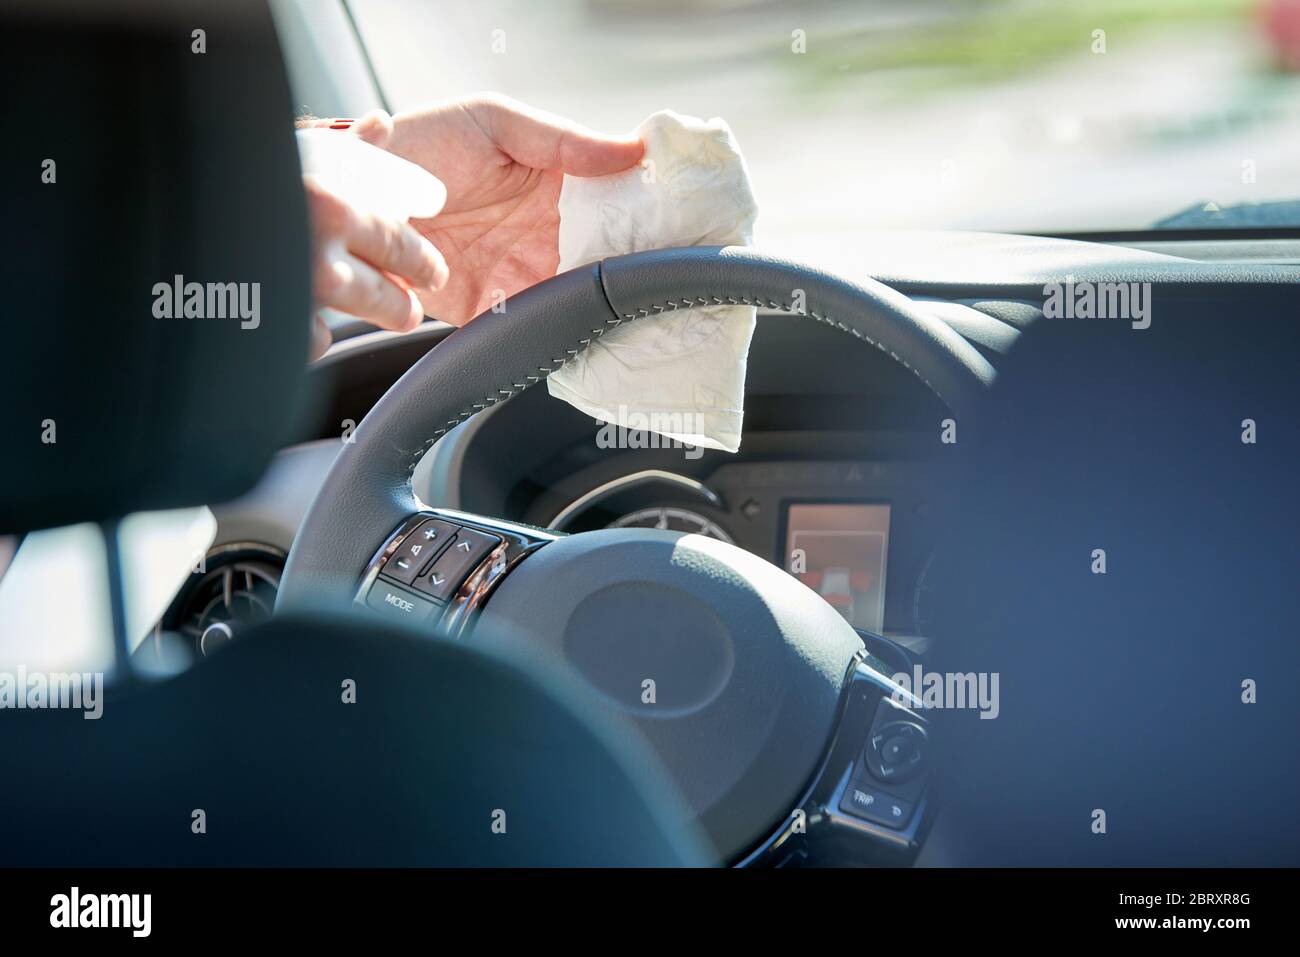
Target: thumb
(376,128)
(545,141)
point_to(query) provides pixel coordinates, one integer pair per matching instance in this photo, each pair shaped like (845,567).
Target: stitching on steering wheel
(655,309)
(671,305)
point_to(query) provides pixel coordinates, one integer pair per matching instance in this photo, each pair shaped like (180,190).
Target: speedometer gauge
(672,519)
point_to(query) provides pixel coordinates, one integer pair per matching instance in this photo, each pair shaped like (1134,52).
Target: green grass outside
(985,41)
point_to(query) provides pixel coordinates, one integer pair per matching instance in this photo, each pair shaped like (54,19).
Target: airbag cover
(731,668)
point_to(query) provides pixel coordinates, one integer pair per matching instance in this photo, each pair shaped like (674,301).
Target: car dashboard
(840,478)
(835,480)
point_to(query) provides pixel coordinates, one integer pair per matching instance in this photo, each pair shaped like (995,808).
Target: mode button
(398,604)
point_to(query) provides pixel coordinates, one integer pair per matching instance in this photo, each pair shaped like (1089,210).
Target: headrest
(155,257)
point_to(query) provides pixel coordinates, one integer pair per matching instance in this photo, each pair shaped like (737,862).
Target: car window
(1030,115)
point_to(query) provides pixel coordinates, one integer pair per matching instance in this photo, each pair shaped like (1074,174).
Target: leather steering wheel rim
(368,491)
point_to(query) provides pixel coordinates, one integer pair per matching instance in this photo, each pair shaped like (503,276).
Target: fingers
(376,128)
(393,247)
(348,284)
(545,141)
(321,338)
(367,266)
(398,249)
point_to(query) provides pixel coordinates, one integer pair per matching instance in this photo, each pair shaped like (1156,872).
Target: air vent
(235,591)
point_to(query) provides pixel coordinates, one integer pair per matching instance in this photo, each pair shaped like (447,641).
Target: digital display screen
(839,550)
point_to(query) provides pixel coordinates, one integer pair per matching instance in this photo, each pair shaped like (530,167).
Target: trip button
(398,604)
(418,549)
(445,575)
(864,801)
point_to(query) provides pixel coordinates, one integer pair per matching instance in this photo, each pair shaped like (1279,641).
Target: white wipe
(682,373)
(368,178)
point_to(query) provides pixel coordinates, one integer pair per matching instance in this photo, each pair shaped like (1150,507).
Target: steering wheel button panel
(418,549)
(398,604)
(444,576)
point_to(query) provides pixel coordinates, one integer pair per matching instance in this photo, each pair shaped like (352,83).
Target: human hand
(503,164)
(365,265)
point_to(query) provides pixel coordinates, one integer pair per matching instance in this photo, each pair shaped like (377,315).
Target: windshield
(1008,115)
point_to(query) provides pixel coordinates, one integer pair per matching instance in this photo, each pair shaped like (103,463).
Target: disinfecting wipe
(368,178)
(685,368)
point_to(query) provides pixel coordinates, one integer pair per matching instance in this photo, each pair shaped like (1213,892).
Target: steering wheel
(757,695)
